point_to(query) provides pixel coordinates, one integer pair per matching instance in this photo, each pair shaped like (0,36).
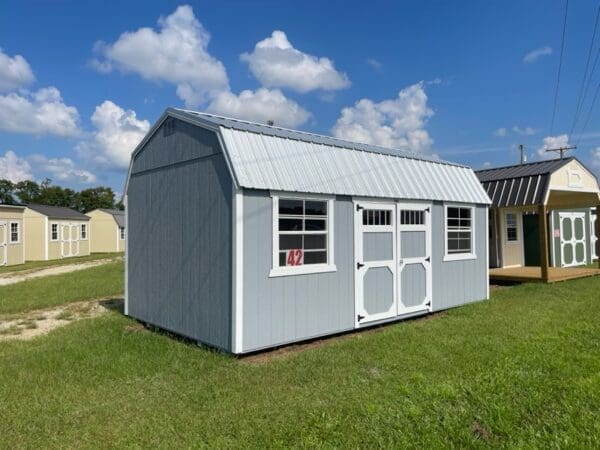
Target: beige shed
(107,230)
(55,232)
(12,249)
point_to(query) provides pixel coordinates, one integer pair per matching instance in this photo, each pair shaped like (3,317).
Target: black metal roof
(519,185)
(58,212)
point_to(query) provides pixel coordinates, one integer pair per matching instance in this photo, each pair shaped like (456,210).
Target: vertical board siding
(458,282)
(280,310)
(179,216)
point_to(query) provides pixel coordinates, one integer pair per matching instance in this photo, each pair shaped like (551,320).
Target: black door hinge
(359,318)
(359,265)
(358,207)
(428,259)
(428,304)
(427,209)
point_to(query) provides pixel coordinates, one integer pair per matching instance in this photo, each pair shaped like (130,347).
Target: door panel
(375,261)
(74,240)
(414,258)
(572,238)
(3,243)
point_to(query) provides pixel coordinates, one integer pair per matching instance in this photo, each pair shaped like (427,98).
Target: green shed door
(531,238)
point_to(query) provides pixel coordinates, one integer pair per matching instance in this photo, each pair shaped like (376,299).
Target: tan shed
(55,232)
(12,249)
(107,230)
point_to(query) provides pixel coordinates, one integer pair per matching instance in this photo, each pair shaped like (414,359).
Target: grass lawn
(58,262)
(522,370)
(96,282)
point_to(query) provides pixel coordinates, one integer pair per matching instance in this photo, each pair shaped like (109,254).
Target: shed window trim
(303,269)
(459,256)
(511,230)
(12,233)
(121,233)
(83,232)
(54,235)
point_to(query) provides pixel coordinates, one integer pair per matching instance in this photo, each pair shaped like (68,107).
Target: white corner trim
(46,238)
(238,271)
(302,270)
(487,252)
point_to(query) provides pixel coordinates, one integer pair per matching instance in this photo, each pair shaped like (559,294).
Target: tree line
(46,193)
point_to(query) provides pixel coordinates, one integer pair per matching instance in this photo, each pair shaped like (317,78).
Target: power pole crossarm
(562,150)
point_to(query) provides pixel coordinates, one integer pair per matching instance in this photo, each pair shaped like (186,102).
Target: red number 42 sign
(294,257)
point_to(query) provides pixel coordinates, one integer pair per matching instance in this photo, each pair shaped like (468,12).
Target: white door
(375,261)
(414,258)
(594,237)
(74,240)
(65,240)
(572,238)
(3,243)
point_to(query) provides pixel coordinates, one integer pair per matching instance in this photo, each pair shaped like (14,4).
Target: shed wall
(104,233)
(15,252)
(180,228)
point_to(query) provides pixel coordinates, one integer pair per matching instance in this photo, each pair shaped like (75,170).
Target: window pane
(465,213)
(315,241)
(511,234)
(464,245)
(314,208)
(287,206)
(287,242)
(315,257)
(290,224)
(281,259)
(453,222)
(315,225)
(452,245)
(365,217)
(453,213)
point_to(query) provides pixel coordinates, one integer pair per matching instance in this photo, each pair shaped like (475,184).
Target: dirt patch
(36,323)
(480,431)
(24,275)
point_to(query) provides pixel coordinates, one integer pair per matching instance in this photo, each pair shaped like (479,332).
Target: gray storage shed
(245,236)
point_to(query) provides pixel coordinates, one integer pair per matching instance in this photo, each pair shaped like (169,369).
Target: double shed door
(393,260)
(69,239)
(572,238)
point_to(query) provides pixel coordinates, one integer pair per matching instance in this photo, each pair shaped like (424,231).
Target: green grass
(58,262)
(96,282)
(522,370)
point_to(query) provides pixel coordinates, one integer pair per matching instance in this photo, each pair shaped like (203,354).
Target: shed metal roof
(58,212)
(519,185)
(274,158)
(117,214)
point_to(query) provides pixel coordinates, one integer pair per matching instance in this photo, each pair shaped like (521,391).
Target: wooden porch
(555,274)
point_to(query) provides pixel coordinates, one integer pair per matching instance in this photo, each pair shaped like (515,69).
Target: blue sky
(449,78)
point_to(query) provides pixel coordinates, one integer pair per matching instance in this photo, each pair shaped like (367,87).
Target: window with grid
(412,217)
(511,227)
(459,226)
(14,232)
(122,232)
(377,217)
(83,231)
(54,232)
(302,228)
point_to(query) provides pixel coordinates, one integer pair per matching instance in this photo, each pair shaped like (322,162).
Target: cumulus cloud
(561,140)
(596,157)
(276,63)
(536,54)
(500,132)
(397,122)
(15,72)
(14,168)
(118,132)
(177,53)
(526,131)
(41,112)
(61,169)
(261,106)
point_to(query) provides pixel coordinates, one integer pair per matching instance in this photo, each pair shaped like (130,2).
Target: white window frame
(81,226)
(121,233)
(459,256)
(276,270)
(57,232)
(18,224)
(505,231)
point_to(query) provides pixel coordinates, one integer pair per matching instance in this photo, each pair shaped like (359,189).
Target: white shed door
(3,243)
(572,238)
(375,261)
(594,238)
(69,240)
(414,258)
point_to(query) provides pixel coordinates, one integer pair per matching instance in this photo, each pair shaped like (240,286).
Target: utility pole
(562,150)
(522,148)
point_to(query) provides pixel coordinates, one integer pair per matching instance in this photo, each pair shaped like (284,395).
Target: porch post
(543,225)
(598,234)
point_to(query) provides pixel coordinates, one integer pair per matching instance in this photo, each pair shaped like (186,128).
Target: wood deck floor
(555,274)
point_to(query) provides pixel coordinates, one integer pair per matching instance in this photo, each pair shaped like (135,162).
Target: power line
(589,114)
(562,49)
(581,99)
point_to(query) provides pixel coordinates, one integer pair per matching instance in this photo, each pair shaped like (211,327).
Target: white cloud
(261,106)
(41,112)
(501,132)
(176,53)
(526,131)
(118,132)
(596,157)
(536,54)
(395,123)
(374,64)
(61,169)
(276,63)
(486,165)
(561,140)
(15,72)
(14,168)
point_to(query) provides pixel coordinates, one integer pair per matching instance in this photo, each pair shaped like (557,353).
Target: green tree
(27,191)
(93,198)
(7,188)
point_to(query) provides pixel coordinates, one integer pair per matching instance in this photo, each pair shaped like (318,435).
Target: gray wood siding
(455,283)
(179,217)
(285,309)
